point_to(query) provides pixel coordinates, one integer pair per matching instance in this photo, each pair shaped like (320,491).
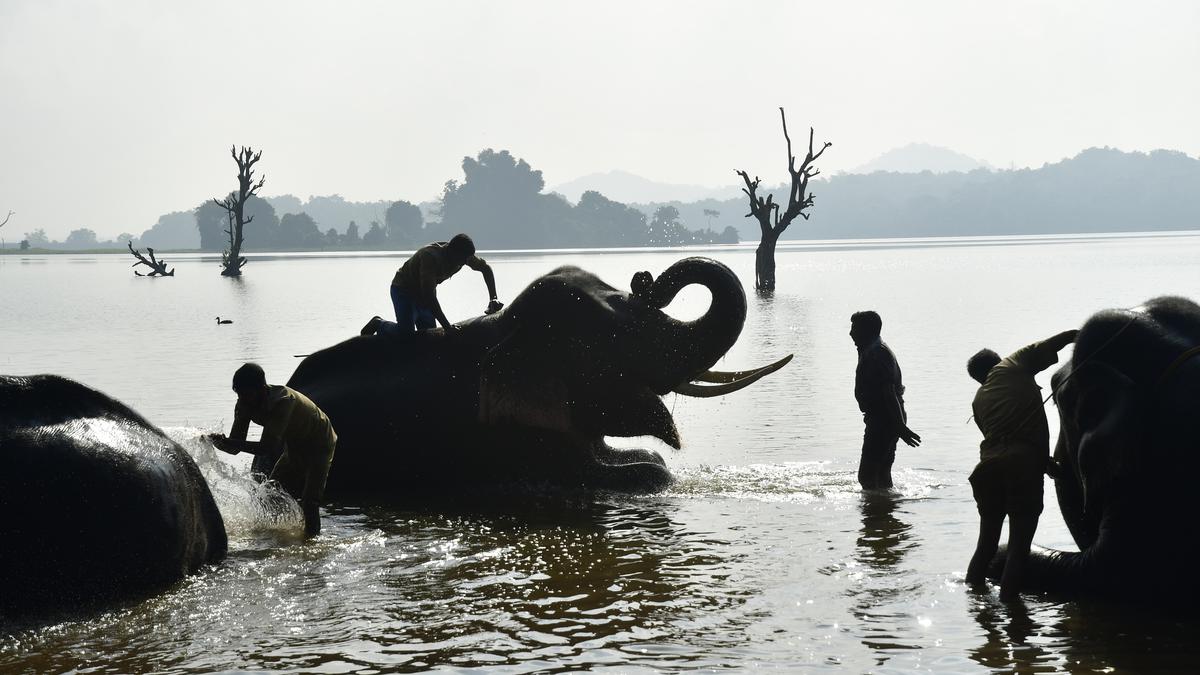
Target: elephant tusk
(702,391)
(718,377)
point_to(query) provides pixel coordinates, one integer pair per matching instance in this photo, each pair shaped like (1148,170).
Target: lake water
(765,554)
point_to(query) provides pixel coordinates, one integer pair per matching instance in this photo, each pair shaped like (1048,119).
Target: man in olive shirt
(1013,454)
(880,395)
(414,288)
(292,425)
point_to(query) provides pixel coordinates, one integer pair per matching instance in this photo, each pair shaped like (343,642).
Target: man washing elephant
(294,429)
(414,288)
(1014,453)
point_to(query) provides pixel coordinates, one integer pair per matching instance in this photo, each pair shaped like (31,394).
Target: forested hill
(1098,190)
(502,202)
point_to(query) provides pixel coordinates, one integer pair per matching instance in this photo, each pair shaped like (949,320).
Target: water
(765,554)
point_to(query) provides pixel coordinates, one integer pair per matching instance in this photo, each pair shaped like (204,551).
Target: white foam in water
(801,482)
(246,505)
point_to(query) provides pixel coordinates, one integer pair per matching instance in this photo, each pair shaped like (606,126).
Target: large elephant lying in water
(96,504)
(526,396)
(1129,448)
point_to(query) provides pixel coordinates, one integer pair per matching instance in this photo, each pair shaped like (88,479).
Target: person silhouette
(880,395)
(1014,453)
(414,288)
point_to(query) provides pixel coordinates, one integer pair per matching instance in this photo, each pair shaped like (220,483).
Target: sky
(113,113)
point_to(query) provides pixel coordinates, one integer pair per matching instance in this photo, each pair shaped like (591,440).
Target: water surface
(765,554)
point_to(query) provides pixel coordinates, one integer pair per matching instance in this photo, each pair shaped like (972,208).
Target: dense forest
(501,201)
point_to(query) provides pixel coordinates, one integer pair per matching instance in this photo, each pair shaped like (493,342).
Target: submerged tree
(235,205)
(158,268)
(771,222)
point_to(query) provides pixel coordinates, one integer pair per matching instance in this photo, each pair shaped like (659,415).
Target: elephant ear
(517,387)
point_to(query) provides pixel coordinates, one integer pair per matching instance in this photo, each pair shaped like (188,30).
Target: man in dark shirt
(414,288)
(880,394)
(1012,456)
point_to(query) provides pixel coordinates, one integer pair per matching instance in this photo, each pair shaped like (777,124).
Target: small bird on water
(221,321)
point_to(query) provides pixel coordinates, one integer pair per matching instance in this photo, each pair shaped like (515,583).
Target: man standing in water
(1012,456)
(414,288)
(880,395)
(294,429)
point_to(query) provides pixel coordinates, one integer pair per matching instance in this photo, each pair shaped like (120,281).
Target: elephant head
(1127,449)
(614,353)
(536,387)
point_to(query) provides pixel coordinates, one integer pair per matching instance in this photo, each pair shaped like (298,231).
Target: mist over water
(765,553)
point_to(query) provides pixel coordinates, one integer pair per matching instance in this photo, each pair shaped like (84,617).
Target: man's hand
(493,307)
(451,329)
(909,436)
(219,442)
(1053,468)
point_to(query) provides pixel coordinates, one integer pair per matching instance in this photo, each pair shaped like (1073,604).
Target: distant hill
(626,187)
(1098,190)
(918,157)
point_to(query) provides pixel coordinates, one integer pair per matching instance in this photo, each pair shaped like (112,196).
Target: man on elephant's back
(1014,453)
(414,288)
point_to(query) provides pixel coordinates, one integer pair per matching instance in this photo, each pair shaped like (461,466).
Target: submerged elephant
(96,504)
(525,397)
(1129,451)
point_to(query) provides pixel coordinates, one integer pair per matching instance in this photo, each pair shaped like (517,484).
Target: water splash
(248,507)
(795,482)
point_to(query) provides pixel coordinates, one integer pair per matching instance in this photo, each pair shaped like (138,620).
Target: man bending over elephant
(414,288)
(1013,454)
(880,395)
(292,424)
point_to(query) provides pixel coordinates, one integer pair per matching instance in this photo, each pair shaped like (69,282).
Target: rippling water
(764,554)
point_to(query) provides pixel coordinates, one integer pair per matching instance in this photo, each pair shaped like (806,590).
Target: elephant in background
(1129,453)
(524,398)
(97,504)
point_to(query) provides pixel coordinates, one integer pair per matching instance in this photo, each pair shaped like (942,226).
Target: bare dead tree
(771,222)
(6,219)
(158,268)
(235,206)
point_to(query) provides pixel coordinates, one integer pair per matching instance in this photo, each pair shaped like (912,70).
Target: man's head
(979,365)
(461,247)
(250,383)
(865,327)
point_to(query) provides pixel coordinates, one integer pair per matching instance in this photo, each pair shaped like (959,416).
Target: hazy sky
(116,112)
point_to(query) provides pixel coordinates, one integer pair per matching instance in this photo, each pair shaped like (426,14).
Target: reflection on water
(1007,630)
(765,553)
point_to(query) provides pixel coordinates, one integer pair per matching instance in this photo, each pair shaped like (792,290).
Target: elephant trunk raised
(694,346)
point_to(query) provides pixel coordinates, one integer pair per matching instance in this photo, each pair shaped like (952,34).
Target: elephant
(1128,452)
(522,399)
(97,506)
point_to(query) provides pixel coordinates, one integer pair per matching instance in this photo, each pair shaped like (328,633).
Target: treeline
(1098,190)
(501,202)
